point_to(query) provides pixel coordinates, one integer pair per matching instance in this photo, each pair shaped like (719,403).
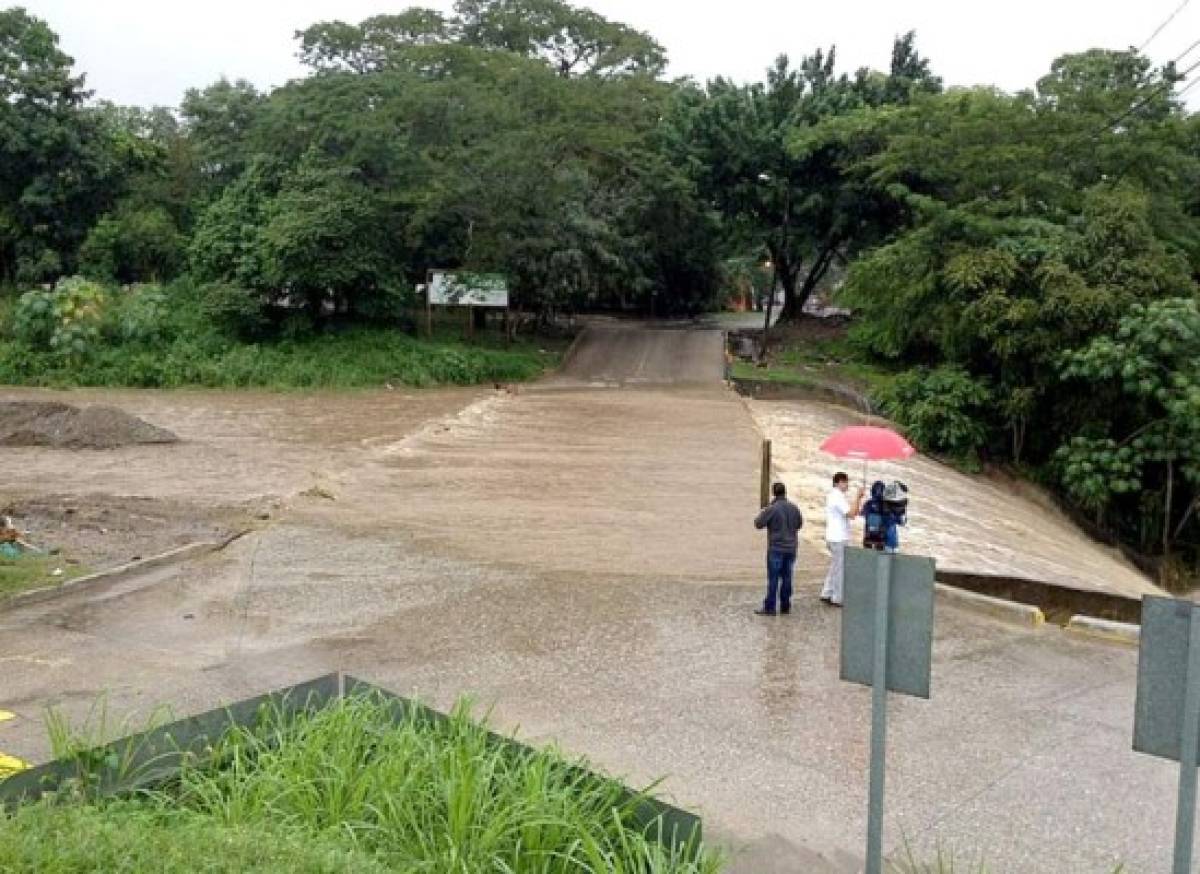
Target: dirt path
(582,560)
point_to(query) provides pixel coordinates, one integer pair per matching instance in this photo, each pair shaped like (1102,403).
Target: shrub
(66,320)
(943,409)
(139,313)
(237,311)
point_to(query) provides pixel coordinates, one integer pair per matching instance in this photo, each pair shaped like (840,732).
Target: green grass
(347,789)
(802,358)
(356,358)
(33,572)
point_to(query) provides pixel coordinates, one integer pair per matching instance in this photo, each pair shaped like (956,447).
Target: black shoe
(761,611)
(826,600)
(785,610)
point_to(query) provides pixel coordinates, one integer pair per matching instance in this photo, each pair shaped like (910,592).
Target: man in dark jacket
(783,522)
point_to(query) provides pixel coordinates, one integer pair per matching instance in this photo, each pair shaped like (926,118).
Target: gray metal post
(1185,812)
(878,717)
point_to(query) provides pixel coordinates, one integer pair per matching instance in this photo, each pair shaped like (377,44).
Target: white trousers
(836,578)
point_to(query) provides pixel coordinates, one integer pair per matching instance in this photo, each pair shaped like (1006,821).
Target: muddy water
(235,446)
(613,482)
(968,523)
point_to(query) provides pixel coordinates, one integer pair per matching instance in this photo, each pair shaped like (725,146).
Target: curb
(170,557)
(1125,633)
(1006,611)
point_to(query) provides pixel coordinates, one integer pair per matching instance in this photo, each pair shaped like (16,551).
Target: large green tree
(774,158)
(570,40)
(56,164)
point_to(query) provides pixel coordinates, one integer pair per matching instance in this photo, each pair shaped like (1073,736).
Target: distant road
(658,353)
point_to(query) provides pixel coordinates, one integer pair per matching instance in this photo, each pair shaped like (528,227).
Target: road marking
(10,765)
(6,715)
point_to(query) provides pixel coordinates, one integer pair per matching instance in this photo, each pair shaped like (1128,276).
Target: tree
(321,241)
(772,161)
(572,41)
(55,161)
(909,74)
(1148,372)
(369,46)
(226,244)
(133,245)
(1104,84)
(219,120)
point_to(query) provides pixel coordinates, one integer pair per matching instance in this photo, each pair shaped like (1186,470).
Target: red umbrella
(868,443)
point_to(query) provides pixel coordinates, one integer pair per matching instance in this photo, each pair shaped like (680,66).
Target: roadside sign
(910,620)
(1167,714)
(887,643)
(466,289)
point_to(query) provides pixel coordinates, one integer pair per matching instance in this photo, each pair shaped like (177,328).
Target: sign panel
(465,289)
(1162,676)
(910,620)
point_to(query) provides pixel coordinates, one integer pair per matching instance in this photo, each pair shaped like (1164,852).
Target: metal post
(429,303)
(878,717)
(764,482)
(1185,812)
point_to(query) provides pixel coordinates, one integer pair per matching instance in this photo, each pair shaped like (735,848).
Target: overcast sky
(150,51)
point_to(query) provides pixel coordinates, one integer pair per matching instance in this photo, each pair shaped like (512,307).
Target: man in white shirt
(838,513)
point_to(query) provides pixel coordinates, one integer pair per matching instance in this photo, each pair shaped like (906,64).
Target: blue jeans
(779,579)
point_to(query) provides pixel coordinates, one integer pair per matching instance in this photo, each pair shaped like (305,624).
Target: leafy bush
(240,312)
(140,313)
(132,245)
(943,409)
(67,319)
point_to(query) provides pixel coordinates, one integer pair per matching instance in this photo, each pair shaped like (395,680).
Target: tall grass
(351,786)
(358,358)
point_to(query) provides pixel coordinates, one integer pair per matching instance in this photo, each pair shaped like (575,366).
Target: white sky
(149,51)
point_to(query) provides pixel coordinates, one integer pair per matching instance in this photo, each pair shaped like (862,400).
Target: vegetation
(29,571)
(1031,258)
(344,789)
(82,333)
(813,352)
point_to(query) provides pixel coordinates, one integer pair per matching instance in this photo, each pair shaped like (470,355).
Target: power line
(1184,91)
(1158,90)
(1164,25)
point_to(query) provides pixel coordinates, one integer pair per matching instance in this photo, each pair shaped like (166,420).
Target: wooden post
(764,494)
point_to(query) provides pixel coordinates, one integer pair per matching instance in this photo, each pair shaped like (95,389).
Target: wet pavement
(581,561)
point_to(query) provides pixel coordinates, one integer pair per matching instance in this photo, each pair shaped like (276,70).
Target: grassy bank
(33,572)
(347,789)
(353,358)
(815,353)
(84,333)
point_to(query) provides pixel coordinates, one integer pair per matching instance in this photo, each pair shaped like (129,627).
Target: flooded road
(968,523)
(581,560)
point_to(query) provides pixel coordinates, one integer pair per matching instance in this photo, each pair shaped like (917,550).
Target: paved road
(582,560)
(612,352)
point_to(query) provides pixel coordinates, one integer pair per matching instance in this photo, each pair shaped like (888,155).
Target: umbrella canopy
(868,443)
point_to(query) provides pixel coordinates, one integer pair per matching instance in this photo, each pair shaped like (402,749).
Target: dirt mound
(62,426)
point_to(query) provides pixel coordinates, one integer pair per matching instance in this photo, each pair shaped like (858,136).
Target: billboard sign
(463,289)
